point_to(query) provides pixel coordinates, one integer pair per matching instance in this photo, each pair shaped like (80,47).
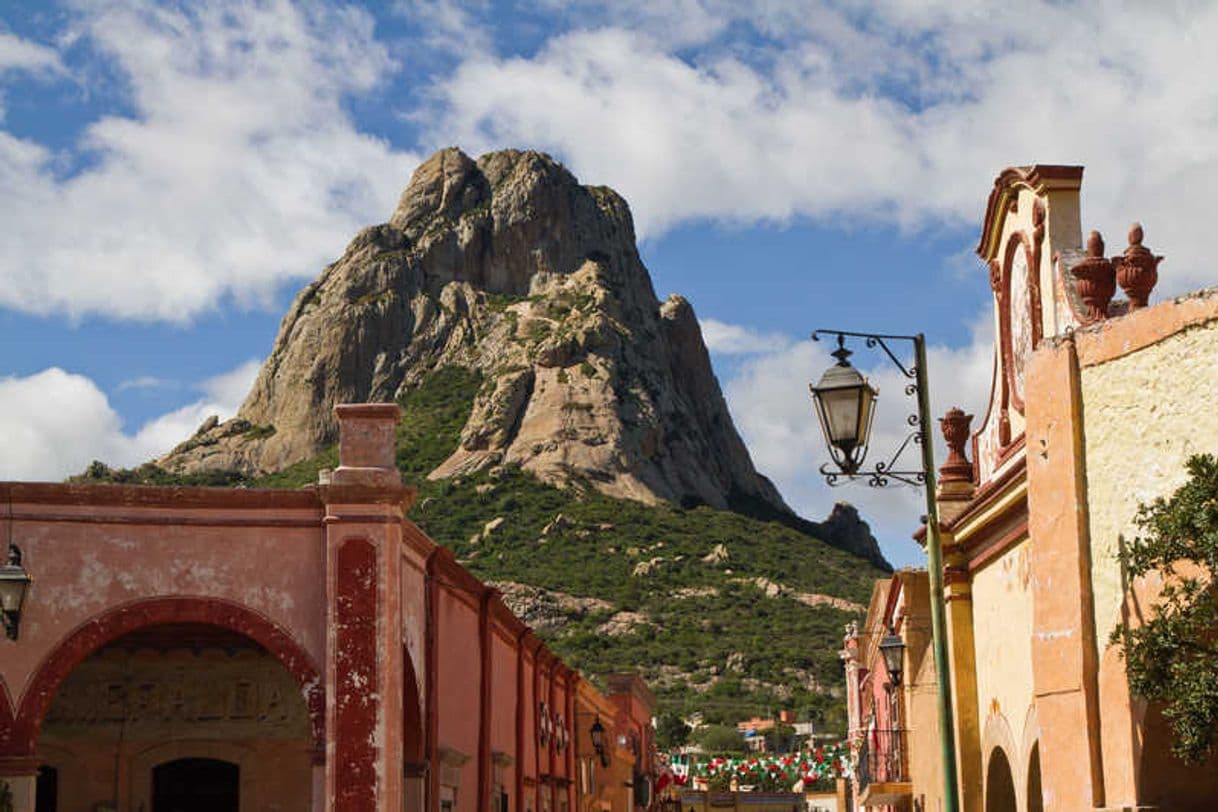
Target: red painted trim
(484,702)
(432,664)
(7,715)
(519,760)
(356,685)
(987,492)
(169,521)
(1019,239)
(985,553)
(54,493)
(412,718)
(119,620)
(569,751)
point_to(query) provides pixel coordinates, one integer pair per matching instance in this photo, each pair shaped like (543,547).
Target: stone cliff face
(509,266)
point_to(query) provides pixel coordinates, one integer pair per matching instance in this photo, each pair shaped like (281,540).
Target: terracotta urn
(955,426)
(1137,271)
(1094,280)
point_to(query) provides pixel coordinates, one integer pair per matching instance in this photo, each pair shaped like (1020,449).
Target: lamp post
(845,403)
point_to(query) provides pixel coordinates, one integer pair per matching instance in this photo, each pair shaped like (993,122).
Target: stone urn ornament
(1094,280)
(955,426)
(1137,271)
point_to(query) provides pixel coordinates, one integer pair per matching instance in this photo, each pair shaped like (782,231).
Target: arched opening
(196,785)
(46,789)
(999,784)
(414,765)
(1036,801)
(175,680)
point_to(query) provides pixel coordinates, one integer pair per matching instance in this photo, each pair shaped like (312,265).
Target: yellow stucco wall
(1002,621)
(1145,413)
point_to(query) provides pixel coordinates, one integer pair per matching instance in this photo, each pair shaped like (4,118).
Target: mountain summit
(508,267)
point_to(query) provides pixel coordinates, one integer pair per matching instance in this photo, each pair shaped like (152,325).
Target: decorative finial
(841,353)
(955,426)
(1094,279)
(1095,244)
(1137,270)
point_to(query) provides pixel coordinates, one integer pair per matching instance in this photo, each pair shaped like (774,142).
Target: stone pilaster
(365,502)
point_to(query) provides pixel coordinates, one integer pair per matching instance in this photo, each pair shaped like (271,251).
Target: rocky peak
(508,266)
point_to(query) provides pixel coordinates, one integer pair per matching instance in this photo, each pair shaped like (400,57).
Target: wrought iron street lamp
(848,449)
(892,647)
(14,581)
(845,404)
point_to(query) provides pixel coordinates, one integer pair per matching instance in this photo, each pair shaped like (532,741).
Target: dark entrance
(46,790)
(195,785)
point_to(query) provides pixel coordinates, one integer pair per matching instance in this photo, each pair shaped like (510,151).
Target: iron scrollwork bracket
(883,474)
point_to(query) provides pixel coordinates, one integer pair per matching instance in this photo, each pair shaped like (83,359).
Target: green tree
(671,731)
(780,739)
(1172,658)
(719,739)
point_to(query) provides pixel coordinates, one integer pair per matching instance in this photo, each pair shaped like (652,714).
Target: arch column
(21,775)
(365,503)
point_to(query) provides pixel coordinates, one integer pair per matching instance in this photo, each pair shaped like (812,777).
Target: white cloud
(732,339)
(900,112)
(770,403)
(239,168)
(21,54)
(54,423)
(145,382)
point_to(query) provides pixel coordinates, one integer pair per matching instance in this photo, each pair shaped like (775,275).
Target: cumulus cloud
(54,423)
(770,403)
(21,54)
(895,112)
(732,339)
(238,166)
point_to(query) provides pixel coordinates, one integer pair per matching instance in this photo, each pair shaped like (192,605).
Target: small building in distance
(888,713)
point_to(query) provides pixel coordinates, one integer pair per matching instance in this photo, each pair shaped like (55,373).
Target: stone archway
(145,764)
(414,756)
(118,621)
(1035,794)
(999,783)
(7,718)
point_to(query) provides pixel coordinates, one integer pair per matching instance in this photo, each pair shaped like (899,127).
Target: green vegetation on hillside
(702,631)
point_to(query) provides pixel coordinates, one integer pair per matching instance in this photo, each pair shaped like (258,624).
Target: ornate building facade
(1096,403)
(205,648)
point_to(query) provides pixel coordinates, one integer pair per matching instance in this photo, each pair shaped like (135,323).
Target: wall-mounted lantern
(597,732)
(893,649)
(14,582)
(543,723)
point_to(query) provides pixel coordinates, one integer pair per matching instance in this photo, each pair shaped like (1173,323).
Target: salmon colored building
(1096,403)
(887,711)
(205,648)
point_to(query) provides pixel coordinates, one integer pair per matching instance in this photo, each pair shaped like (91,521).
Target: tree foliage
(671,731)
(720,739)
(1172,658)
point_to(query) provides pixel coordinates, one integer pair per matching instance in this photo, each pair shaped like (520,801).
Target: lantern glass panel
(13,582)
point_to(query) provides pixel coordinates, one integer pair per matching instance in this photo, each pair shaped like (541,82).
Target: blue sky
(173,172)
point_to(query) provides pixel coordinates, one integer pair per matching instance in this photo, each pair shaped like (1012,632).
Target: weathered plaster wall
(88,559)
(1145,414)
(1002,616)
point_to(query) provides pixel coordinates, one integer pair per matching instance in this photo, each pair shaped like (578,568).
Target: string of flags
(764,771)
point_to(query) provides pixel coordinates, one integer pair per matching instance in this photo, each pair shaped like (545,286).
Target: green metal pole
(934,563)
